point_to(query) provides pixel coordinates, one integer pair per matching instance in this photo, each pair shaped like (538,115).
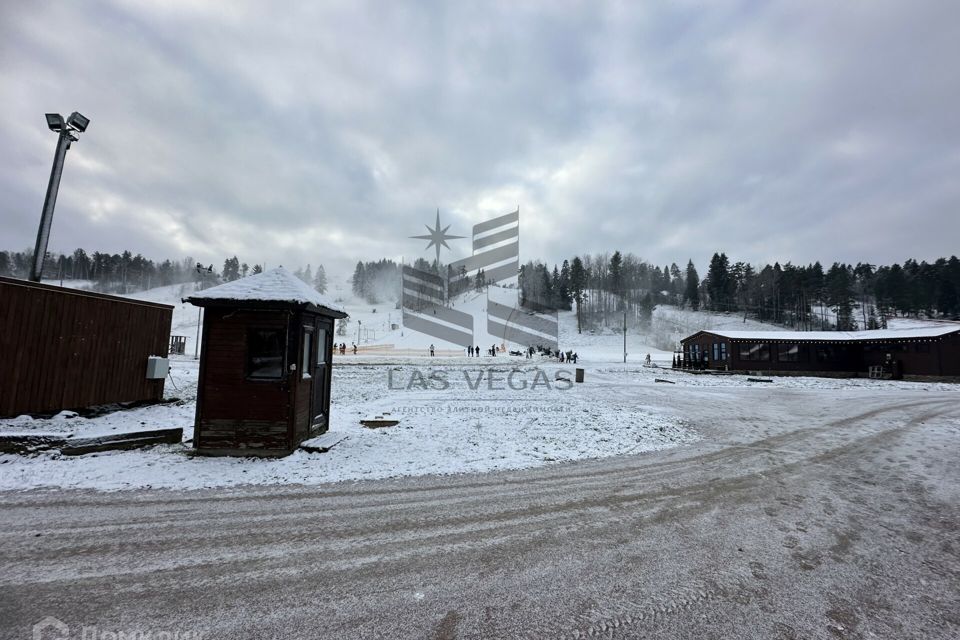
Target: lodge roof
(275,286)
(913,333)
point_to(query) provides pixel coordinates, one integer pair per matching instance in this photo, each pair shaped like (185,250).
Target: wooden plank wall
(236,414)
(68,349)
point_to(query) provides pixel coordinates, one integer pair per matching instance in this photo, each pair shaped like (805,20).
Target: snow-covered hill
(378,328)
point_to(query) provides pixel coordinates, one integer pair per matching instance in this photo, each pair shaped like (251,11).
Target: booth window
(307,351)
(321,347)
(265,353)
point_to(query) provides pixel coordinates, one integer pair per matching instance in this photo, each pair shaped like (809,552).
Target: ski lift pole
(624,335)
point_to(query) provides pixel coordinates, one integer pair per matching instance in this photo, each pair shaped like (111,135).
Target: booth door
(319,398)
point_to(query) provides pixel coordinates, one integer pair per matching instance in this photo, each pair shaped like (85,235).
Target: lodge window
(265,353)
(758,352)
(827,353)
(788,352)
(719,351)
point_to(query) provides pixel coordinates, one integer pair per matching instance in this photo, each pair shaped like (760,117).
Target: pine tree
(578,282)
(231,269)
(320,280)
(565,285)
(616,273)
(556,296)
(676,281)
(840,295)
(692,293)
(646,311)
(718,282)
(358,280)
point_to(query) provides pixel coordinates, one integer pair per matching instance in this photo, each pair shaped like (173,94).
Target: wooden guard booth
(265,361)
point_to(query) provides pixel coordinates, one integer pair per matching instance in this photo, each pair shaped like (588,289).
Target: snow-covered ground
(488,417)
(457,414)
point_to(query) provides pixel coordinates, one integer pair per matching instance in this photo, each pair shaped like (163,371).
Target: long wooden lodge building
(916,353)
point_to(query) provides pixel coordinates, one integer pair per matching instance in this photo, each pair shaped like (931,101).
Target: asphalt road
(799,515)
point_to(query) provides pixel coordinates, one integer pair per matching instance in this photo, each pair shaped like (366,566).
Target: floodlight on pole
(78,121)
(55,121)
(68,132)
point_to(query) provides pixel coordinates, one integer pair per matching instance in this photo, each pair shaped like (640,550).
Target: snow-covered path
(800,513)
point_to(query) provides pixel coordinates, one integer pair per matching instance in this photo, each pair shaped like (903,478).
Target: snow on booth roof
(276,285)
(914,333)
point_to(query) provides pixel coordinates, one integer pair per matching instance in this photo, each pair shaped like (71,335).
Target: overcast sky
(795,131)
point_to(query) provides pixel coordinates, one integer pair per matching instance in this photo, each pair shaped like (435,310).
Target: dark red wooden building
(265,363)
(65,348)
(920,353)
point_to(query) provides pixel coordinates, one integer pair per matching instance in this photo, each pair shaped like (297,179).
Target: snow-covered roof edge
(275,285)
(872,334)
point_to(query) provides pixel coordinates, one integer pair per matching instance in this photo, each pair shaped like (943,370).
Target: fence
(178,345)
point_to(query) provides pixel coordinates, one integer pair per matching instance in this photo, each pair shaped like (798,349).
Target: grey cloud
(790,131)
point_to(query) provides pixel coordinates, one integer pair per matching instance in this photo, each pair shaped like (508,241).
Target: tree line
(609,289)
(126,272)
(843,296)
(380,280)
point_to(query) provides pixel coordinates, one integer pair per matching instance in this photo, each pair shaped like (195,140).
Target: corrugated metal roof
(838,336)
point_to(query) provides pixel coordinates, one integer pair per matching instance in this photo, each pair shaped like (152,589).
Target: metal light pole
(202,273)
(68,132)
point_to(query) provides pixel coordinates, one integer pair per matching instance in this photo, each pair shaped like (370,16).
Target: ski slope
(378,328)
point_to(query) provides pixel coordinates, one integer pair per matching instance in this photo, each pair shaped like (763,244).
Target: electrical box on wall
(157,367)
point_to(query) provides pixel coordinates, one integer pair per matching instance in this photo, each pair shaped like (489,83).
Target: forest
(124,273)
(604,288)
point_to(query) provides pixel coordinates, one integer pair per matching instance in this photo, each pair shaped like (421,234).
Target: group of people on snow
(563,356)
(474,351)
(342,348)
